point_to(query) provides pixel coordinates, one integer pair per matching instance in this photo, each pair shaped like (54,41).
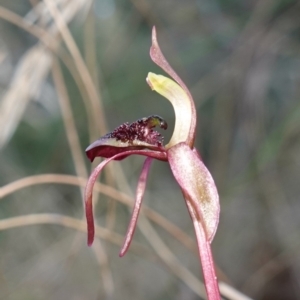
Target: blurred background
(72,70)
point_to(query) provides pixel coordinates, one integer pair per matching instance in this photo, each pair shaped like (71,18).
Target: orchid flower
(195,181)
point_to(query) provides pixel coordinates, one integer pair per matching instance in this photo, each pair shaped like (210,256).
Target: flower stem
(205,254)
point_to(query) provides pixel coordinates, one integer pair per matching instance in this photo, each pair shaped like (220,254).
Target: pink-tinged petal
(158,58)
(181,104)
(197,186)
(88,198)
(137,206)
(205,254)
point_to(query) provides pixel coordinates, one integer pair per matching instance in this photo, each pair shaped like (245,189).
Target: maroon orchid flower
(194,179)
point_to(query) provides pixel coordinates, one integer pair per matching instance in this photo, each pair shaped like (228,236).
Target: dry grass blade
(169,258)
(97,109)
(69,222)
(52,44)
(29,75)
(68,119)
(40,14)
(90,55)
(231,293)
(39,32)
(25,85)
(100,188)
(105,270)
(78,161)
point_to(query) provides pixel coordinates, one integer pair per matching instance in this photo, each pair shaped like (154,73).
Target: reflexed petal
(137,206)
(197,185)
(181,103)
(158,58)
(88,198)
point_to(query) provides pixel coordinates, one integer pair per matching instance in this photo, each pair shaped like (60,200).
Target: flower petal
(158,58)
(88,198)
(181,103)
(197,185)
(137,206)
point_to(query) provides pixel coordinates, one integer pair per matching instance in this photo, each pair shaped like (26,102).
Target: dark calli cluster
(129,136)
(141,130)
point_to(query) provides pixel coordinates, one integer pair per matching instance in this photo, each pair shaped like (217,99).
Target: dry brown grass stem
(231,293)
(170,260)
(104,267)
(97,111)
(90,47)
(52,42)
(81,171)
(172,229)
(91,62)
(43,35)
(69,121)
(69,222)
(25,85)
